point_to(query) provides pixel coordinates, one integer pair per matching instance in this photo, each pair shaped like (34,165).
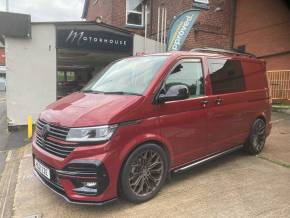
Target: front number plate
(42,169)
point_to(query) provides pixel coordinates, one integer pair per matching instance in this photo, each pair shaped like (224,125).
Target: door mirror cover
(175,92)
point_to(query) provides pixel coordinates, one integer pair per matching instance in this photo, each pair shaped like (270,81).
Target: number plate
(42,169)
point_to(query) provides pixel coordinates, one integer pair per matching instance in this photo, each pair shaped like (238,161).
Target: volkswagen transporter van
(145,117)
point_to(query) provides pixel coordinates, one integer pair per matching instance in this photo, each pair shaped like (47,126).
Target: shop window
(70,76)
(135,13)
(60,76)
(226,76)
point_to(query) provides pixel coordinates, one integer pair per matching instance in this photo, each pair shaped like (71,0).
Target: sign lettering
(94,40)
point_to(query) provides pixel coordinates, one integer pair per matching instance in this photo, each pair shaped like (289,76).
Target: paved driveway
(234,186)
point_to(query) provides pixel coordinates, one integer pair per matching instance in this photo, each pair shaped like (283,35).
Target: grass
(281,106)
(280,163)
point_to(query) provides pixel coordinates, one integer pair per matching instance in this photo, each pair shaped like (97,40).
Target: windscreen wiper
(92,91)
(122,93)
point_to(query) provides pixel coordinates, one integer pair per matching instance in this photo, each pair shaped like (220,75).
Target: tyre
(257,138)
(143,173)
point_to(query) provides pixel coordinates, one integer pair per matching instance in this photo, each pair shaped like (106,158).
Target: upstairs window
(135,13)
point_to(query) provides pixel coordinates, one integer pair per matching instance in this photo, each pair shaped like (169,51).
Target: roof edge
(84,23)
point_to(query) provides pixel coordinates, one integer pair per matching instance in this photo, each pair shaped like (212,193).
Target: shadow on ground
(10,140)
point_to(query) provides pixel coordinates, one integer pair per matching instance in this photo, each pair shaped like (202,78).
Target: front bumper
(67,174)
(60,191)
(68,182)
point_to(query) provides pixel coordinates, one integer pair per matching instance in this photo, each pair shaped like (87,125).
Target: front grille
(55,131)
(54,147)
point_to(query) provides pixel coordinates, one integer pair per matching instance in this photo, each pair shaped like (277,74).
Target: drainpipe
(233,25)
(151,18)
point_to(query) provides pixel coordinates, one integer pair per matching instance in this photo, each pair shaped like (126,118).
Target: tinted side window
(189,74)
(226,76)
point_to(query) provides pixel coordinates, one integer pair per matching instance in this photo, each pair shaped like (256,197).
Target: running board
(199,162)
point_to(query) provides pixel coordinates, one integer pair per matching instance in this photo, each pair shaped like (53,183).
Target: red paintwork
(186,129)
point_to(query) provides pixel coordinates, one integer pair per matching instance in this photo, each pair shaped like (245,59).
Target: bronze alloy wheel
(259,135)
(143,173)
(146,173)
(257,138)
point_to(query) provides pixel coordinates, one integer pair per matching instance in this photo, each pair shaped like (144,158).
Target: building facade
(214,27)
(259,27)
(263,28)
(60,58)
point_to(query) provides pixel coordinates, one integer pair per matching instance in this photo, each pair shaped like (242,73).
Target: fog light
(90,184)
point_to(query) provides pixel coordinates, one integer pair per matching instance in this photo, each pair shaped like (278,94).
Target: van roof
(210,52)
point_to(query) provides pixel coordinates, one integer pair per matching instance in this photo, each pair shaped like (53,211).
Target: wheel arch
(151,141)
(262,117)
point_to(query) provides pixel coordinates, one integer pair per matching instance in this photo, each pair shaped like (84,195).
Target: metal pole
(158,25)
(145,34)
(165,28)
(162,28)
(158,28)
(7,5)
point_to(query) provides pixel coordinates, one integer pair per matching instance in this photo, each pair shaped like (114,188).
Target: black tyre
(143,173)
(257,138)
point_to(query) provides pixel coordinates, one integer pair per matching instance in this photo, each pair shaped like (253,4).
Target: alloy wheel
(259,135)
(146,172)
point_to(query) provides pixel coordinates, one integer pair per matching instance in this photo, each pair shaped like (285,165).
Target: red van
(143,118)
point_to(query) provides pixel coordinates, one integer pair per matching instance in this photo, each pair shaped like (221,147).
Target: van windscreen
(127,76)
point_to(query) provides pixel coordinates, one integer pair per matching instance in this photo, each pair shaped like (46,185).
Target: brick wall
(2,56)
(278,62)
(213,29)
(101,8)
(264,27)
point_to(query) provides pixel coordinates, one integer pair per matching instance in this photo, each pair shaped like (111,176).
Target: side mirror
(175,92)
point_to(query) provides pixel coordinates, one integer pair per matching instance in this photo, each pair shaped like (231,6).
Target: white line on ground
(276,121)
(7,192)
(8,156)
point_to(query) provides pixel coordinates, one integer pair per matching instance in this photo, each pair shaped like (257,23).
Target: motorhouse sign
(94,40)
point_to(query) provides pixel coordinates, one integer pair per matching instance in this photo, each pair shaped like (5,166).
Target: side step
(206,159)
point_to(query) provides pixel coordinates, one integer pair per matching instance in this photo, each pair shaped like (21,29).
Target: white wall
(31,74)
(146,46)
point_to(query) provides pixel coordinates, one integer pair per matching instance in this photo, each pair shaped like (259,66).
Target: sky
(47,10)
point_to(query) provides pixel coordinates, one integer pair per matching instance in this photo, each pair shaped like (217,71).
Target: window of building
(226,76)
(135,13)
(70,76)
(95,2)
(188,74)
(60,76)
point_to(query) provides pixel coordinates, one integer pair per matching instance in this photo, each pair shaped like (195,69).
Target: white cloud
(47,10)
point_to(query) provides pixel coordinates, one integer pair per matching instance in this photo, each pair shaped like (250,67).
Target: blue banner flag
(180,28)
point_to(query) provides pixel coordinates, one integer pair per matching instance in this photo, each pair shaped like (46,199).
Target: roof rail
(218,50)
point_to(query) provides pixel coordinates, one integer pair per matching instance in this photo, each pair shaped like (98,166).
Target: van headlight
(91,134)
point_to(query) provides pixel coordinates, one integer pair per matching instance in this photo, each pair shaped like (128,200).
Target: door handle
(204,103)
(218,101)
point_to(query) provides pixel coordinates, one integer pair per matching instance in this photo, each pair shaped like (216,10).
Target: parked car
(143,118)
